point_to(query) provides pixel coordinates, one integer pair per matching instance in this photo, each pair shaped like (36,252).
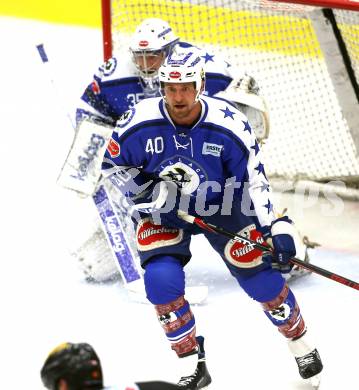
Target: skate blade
(315,381)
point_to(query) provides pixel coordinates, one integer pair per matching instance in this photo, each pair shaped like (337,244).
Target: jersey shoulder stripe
(121,81)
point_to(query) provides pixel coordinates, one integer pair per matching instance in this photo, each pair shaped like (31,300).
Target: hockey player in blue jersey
(117,86)
(123,81)
(189,152)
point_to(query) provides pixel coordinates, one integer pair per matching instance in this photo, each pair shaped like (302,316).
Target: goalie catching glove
(244,94)
(161,200)
(248,83)
(284,238)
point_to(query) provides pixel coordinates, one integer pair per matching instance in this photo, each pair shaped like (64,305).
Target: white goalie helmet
(151,43)
(183,67)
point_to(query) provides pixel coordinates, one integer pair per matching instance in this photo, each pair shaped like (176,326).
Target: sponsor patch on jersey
(113,148)
(243,255)
(95,87)
(109,66)
(151,236)
(126,118)
(212,149)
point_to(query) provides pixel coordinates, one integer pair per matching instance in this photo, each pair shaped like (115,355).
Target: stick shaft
(311,267)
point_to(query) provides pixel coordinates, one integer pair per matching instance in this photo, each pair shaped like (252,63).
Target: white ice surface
(43,298)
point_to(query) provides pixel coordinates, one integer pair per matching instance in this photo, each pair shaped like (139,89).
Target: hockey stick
(311,267)
(113,228)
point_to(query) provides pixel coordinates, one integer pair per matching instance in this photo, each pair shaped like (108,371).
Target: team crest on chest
(187,174)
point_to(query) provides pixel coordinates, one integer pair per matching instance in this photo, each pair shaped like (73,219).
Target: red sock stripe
(186,345)
(172,306)
(295,325)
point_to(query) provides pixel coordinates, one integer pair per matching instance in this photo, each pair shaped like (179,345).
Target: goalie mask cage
(305,59)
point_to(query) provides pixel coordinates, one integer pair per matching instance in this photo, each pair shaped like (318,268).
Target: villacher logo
(151,236)
(244,255)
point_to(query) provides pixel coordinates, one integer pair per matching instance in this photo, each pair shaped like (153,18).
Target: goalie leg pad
(284,312)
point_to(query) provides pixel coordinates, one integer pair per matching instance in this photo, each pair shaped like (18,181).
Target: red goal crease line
(352,5)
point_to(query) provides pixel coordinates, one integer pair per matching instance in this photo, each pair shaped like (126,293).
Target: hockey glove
(248,84)
(161,202)
(282,233)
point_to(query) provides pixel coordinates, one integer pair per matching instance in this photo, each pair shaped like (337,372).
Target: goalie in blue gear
(186,151)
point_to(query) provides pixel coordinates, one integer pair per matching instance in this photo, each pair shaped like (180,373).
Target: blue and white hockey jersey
(117,87)
(218,153)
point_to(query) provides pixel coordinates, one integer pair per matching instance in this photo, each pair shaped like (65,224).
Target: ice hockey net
(312,97)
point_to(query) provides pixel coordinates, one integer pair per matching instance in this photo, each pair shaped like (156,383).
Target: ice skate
(308,360)
(200,378)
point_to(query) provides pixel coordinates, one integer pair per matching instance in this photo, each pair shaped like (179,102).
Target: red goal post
(305,59)
(106,29)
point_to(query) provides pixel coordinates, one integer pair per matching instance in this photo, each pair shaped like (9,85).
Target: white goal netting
(314,134)
(277,44)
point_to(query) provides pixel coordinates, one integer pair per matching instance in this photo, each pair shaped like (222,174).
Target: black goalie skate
(309,365)
(200,379)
